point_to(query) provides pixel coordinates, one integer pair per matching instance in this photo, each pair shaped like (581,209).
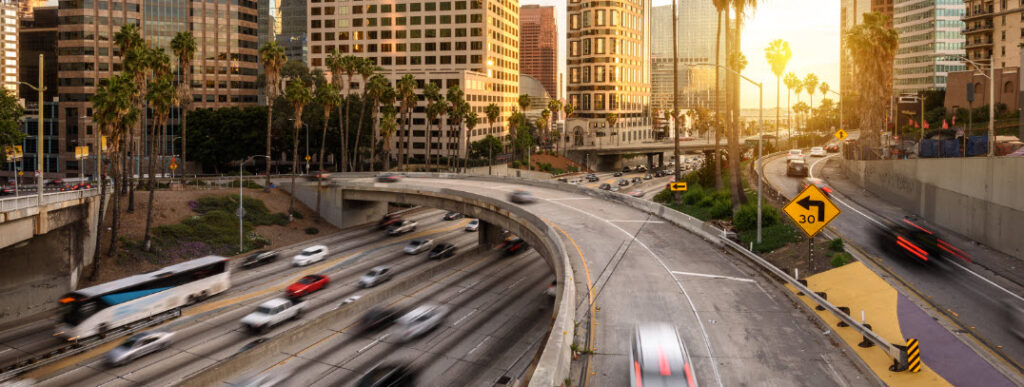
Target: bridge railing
(21,202)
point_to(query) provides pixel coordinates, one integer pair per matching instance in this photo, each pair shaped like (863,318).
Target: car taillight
(827,190)
(907,245)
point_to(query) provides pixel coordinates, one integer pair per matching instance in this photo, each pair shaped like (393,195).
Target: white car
(818,152)
(421,320)
(473,225)
(795,154)
(138,346)
(417,246)
(310,255)
(272,313)
(375,277)
(402,228)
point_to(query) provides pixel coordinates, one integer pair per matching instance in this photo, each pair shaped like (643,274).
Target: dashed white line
(716,276)
(375,341)
(478,345)
(472,312)
(635,221)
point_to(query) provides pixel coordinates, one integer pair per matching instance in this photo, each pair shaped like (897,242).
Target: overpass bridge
(607,157)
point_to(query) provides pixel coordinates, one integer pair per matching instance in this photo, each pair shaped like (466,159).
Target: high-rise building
(930,39)
(851,13)
(609,71)
(538,46)
(9,36)
(883,7)
(25,7)
(992,32)
(38,35)
(292,37)
(224,66)
(696,31)
(449,43)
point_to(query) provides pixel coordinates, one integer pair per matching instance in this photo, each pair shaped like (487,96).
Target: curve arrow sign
(807,203)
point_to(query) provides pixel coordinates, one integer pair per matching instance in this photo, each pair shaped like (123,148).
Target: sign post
(812,211)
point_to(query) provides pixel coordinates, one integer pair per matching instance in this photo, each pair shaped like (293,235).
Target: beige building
(993,32)
(461,42)
(609,71)
(9,65)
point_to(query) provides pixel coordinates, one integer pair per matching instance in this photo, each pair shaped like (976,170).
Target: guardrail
(28,201)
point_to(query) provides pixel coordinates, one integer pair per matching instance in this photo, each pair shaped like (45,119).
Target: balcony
(979,44)
(978,14)
(978,29)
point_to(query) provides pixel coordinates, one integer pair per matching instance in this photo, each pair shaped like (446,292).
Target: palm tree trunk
(320,163)
(359,131)
(184,142)
(295,166)
(99,223)
(270,120)
(789,117)
(430,143)
(735,175)
(718,116)
(115,221)
(778,99)
(408,137)
(373,141)
(344,139)
(343,160)
(130,166)
(147,241)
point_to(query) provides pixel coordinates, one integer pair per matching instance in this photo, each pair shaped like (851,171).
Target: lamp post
(39,138)
(241,210)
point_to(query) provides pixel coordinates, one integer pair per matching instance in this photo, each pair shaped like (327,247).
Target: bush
(255,211)
(296,214)
(722,195)
(694,195)
(706,201)
(836,244)
(840,259)
(665,196)
(772,237)
(722,209)
(746,218)
(515,164)
(312,230)
(573,168)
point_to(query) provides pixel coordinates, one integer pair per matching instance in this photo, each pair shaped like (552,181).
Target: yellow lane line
(590,292)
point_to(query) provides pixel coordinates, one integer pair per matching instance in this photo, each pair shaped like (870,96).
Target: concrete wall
(334,209)
(504,170)
(981,198)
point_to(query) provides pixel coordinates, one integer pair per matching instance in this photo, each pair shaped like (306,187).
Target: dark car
(648,176)
(617,174)
(623,182)
(625,169)
(5,190)
(320,177)
(514,245)
(637,180)
(592,178)
(378,318)
(259,259)
(563,179)
(388,220)
(55,183)
(389,375)
(452,215)
(807,181)
(389,178)
(659,174)
(641,169)
(442,250)
(832,148)
(605,186)
(796,168)
(910,240)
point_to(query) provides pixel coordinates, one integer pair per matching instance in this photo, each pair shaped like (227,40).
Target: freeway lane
(739,327)
(967,296)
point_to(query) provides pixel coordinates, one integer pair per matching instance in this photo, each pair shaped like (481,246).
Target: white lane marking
(833,197)
(635,221)
(835,375)
(810,171)
(989,281)
(377,340)
(478,345)
(716,276)
(700,322)
(470,286)
(568,199)
(472,312)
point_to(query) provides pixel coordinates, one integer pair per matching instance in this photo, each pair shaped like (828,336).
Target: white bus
(97,309)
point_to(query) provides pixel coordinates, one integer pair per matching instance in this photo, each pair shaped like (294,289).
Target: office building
(929,39)
(609,71)
(538,46)
(9,36)
(696,29)
(992,36)
(38,35)
(883,7)
(25,7)
(292,36)
(450,43)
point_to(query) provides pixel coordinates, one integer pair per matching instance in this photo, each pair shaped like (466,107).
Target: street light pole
(241,210)
(39,138)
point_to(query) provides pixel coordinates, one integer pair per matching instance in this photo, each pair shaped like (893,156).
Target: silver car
(658,358)
(421,320)
(138,346)
(375,277)
(473,225)
(417,246)
(521,197)
(402,228)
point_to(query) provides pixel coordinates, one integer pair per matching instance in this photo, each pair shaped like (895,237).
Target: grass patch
(840,259)
(836,245)
(772,237)
(255,211)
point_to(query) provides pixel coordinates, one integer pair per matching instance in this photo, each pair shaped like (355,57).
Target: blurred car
(319,177)
(625,169)
(54,183)
(658,358)
(563,179)
(818,152)
(623,182)
(796,167)
(659,173)
(552,289)
(417,246)
(76,187)
(375,276)
(521,197)
(794,154)
(910,240)
(636,193)
(452,215)
(514,245)
(832,148)
(272,313)
(473,225)
(421,320)
(8,190)
(648,176)
(592,178)
(259,259)
(388,220)
(389,375)
(389,178)
(310,255)
(376,319)
(137,346)
(402,227)
(442,250)
(605,186)
(614,188)
(641,169)
(308,284)
(637,180)
(350,300)
(617,174)
(266,379)
(807,181)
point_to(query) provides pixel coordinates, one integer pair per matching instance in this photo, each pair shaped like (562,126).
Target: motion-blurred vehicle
(452,215)
(796,167)
(137,346)
(617,174)
(808,181)
(658,358)
(388,220)
(376,319)
(442,250)
(259,259)
(402,227)
(319,176)
(272,313)
(76,187)
(473,225)
(637,180)
(623,182)
(421,320)
(514,245)
(795,154)
(310,255)
(636,193)
(592,178)
(911,240)
(54,183)
(350,300)
(552,289)
(267,379)
(563,179)
(626,169)
(308,284)
(521,197)
(389,178)
(648,176)
(1015,318)
(389,375)
(8,190)
(818,152)
(417,246)
(641,169)
(659,174)
(832,148)
(614,188)
(605,186)
(375,276)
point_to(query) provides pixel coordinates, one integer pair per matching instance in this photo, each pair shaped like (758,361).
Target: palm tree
(824,88)
(457,112)
(524,102)
(336,64)
(378,91)
(738,63)
(388,125)
(298,94)
(407,97)
(493,112)
(113,112)
(366,69)
(327,96)
(161,96)
(722,6)
(349,65)
(568,109)
(792,83)
(810,86)
(272,57)
(133,59)
(555,106)
(435,105)
(871,46)
(778,55)
(546,114)
(471,120)
(184,47)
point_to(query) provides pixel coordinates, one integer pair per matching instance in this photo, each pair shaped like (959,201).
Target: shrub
(255,211)
(840,259)
(296,214)
(723,195)
(836,244)
(312,230)
(706,201)
(746,218)
(694,195)
(573,168)
(722,209)
(665,196)
(515,164)
(773,237)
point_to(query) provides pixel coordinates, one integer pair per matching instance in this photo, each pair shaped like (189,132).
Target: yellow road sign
(811,210)
(174,166)
(680,186)
(21,173)
(308,158)
(841,134)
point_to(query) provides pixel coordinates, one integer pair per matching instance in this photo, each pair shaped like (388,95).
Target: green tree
(406,91)
(546,129)
(379,92)
(161,95)
(436,105)
(485,147)
(114,113)
(493,112)
(298,95)
(458,108)
(810,86)
(555,106)
(336,63)
(524,102)
(366,69)
(134,62)
(328,97)
(10,116)
(184,47)
(792,83)
(471,121)
(611,119)
(778,55)
(722,6)
(272,58)
(568,109)
(738,62)
(388,125)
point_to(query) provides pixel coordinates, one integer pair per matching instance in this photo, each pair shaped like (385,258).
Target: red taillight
(907,245)
(827,190)
(663,367)
(67,300)
(689,375)
(639,377)
(953,250)
(916,226)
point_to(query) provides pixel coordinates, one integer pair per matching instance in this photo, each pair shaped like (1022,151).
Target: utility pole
(675,93)
(39,135)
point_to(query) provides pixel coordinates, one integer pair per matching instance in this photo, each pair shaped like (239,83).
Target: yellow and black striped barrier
(913,356)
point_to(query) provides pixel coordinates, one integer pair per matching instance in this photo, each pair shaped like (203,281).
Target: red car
(307,285)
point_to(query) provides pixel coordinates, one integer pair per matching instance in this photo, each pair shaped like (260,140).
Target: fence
(28,201)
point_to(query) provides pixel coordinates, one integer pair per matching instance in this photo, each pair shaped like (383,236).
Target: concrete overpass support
(335,208)
(489,235)
(650,161)
(607,163)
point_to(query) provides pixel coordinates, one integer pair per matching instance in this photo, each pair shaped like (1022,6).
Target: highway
(967,299)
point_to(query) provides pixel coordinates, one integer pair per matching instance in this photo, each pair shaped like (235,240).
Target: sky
(810,26)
